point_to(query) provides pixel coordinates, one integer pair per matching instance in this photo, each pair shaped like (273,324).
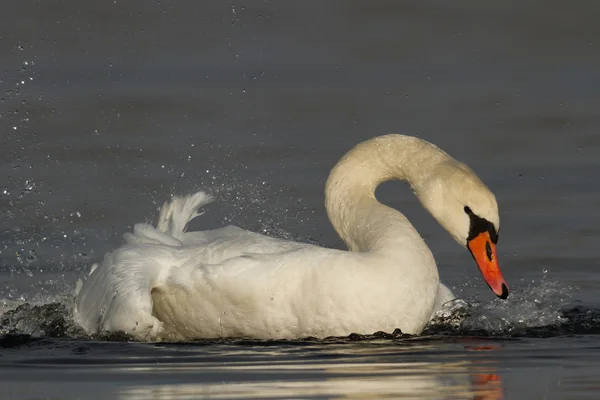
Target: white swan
(175,285)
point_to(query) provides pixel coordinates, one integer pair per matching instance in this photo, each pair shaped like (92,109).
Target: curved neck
(361,221)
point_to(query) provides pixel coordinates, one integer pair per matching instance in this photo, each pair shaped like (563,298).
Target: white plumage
(169,284)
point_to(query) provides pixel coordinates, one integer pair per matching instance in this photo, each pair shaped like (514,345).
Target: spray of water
(529,310)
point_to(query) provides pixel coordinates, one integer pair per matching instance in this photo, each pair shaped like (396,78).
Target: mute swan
(169,284)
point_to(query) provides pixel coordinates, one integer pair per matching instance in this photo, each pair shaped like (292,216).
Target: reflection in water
(492,385)
(384,375)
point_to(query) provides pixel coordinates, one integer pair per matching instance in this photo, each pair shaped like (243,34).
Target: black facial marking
(480,225)
(504,294)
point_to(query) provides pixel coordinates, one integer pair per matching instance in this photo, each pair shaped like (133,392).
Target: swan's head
(468,210)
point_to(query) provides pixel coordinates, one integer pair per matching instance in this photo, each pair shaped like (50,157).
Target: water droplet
(32,256)
(28,187)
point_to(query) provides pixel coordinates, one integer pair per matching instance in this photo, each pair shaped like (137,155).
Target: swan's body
(170,284)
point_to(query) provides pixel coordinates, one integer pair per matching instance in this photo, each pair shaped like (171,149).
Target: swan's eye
(488,251)
(468,210)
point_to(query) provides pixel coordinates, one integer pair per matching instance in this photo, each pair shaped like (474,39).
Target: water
(108,108)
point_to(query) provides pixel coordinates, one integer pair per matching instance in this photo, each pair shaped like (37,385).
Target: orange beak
(484,253)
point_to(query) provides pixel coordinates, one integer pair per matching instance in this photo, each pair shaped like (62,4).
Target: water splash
(49,320)
(257,207)
(529,310)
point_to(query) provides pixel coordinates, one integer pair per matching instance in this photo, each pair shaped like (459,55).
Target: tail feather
(173,218)
(177,213)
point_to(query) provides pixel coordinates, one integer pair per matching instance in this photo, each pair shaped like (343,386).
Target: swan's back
(302,292)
